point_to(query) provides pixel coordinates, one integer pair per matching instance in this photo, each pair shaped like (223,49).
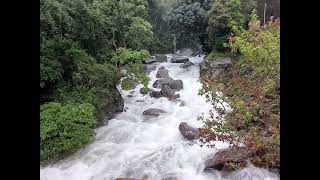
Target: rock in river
(153,112)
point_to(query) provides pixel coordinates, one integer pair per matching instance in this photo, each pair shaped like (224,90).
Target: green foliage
(186,20)
(252,92)
(134,59)
(139,35)
(224,15)
(64,128)
(214,55)
(127,56)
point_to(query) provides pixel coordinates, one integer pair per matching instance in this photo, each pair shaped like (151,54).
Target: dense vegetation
(83,46)
(252,89)
(86,45)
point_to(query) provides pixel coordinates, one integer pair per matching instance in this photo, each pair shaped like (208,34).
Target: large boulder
(161,58)
(188,132)
(147,68)
(153,112)
(166,91)
(161,82)
(179,59)
(176,84)
(173,84)
(215,68)
(114,106)
(162,73)
(233,154)
(186,65)
(151,60)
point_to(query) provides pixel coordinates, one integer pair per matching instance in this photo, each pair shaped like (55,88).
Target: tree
(186,20)
(223,15)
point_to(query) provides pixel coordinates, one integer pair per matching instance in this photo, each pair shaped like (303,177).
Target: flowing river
(132,145)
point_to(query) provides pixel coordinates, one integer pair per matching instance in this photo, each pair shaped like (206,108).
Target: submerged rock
(153,112)
(232,154)
(144,90)
(179,59)
(162,73)
(188,132)
(186,65)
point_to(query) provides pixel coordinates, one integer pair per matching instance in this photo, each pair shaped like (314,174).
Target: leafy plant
(64,128)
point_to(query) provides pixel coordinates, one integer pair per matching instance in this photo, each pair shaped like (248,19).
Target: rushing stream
(132,145)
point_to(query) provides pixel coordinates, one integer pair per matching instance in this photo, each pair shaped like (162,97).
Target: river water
(132,145)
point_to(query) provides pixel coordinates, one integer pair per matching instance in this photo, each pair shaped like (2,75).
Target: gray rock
(160,82)
(114,106)
(144,90)
(166,91)
(188,132)
(161,58)
(153,112)
(162,73)
(155,94)
(150,60)
(179,59)
(176,84)
(147,68)
(186,65)
(215,67)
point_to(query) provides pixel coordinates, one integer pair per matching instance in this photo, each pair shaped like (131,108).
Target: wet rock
(166,91)
(147,68)
(179,59)
(176,96)
(139,100)
(170,178)
(232,154)
(153,112)
(176,84)
(162,73)
(155,94)
(161,82)
(186,65)
(144,90)
(161,58)
(130,96)
(188,132)
(114,106)
(215,67)
(150,60)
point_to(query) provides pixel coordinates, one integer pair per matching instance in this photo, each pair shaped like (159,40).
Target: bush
(64,128)
(253,91)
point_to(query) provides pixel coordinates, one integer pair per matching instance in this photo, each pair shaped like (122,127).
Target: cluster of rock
(150,64)
(167,85)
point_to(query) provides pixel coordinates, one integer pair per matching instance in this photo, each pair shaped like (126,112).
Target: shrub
(64,128)
(253,89)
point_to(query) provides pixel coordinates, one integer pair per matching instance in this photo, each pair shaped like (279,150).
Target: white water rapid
(132,145)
